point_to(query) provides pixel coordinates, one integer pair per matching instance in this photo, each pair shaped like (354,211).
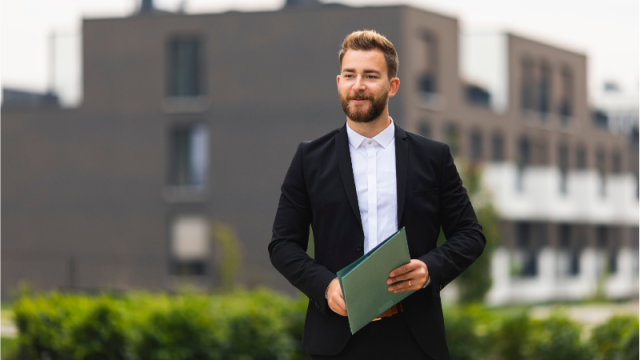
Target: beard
(359,113)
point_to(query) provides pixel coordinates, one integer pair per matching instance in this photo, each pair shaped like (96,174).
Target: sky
(606,31)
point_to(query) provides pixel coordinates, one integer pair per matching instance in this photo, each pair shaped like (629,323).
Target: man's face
(363,84)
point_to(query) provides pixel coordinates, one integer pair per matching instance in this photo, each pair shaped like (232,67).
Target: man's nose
(359,85)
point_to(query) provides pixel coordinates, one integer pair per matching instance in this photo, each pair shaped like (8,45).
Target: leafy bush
(616,339)
(557,338)
(43,323)
(239,325)
(512,335)
(264,325)
(470,331)
(179,330)
(97,332)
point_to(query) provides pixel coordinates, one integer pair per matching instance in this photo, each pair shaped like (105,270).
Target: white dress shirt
(374,172)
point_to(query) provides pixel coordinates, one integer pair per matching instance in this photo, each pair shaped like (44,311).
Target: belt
(391,311)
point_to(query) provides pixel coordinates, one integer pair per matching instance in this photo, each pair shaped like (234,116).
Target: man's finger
(404,286)
(398,271)
(341,307)
(417,279)
(414,264)
(338,302)
(415,274)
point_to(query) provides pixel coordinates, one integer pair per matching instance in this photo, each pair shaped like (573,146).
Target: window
(189,245)
(600,167)
(612,263)
(497,148)
(565,110)
(424,129)
(452,137)
(524,160)
(602,236)
(542,152)
(615,163)
(189,155)
(574,263)
(600,119)
(428,51)
(635,232)
(185,67)
(527,92)
(563,164)
(529,258)
(544,90)
(523,232)
(477,95)
(581,158)
(475,140)
(541,234)
(564,236)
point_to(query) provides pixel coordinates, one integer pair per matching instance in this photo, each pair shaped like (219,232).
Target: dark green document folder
(364,282)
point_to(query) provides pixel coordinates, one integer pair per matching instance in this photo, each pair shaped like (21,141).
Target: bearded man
(357,185)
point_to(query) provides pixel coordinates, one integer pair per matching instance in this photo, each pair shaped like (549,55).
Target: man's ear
(338,80)
(394,85)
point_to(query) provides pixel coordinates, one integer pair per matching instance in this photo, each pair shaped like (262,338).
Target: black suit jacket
(319,190)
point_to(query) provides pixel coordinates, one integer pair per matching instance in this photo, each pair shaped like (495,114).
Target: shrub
(182,329)
(263,325)
(97,332)
(616,339)
(42,324)
(463,339)
(557,338)
(511,337)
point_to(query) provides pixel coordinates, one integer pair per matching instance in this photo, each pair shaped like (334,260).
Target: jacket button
(359,247)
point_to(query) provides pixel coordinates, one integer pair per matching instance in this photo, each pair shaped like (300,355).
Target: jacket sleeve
(465,241)
(287,249)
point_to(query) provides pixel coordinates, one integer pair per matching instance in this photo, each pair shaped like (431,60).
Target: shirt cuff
(428,282)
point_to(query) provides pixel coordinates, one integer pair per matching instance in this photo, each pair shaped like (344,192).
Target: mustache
(360,97)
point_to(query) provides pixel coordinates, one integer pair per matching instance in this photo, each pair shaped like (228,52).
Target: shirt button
(369,142)
(359,247)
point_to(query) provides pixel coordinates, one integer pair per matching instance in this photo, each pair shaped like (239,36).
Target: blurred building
(188,121)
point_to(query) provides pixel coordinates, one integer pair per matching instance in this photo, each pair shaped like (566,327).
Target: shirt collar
(383,139)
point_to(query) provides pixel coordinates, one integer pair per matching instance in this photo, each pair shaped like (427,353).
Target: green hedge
(263,325)
(241,325)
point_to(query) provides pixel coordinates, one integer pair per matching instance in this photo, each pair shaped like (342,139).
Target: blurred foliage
(239,325)
(229,255)
(616,339)
(263,325)
(474,283)
(512,335)
(9,348)
(557,338)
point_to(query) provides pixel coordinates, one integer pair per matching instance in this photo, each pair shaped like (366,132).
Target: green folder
(364,282)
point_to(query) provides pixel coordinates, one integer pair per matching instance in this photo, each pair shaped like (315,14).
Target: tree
(474,283)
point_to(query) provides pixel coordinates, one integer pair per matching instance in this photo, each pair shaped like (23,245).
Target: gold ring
(409,283)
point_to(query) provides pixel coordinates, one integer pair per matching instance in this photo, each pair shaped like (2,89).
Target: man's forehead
(360,59)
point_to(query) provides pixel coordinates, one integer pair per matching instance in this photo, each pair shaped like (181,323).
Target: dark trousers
(387,338)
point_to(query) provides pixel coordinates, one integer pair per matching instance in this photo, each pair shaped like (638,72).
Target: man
(356,186)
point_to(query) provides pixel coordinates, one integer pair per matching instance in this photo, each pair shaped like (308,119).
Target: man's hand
(415,272)
(336,299)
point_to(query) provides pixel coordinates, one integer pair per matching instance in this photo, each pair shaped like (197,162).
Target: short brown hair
(368,40)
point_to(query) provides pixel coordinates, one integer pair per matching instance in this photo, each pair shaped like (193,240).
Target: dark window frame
(428,81)
(177,50)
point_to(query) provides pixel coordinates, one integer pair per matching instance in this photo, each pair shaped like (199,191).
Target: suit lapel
(402,167)
(346,170)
